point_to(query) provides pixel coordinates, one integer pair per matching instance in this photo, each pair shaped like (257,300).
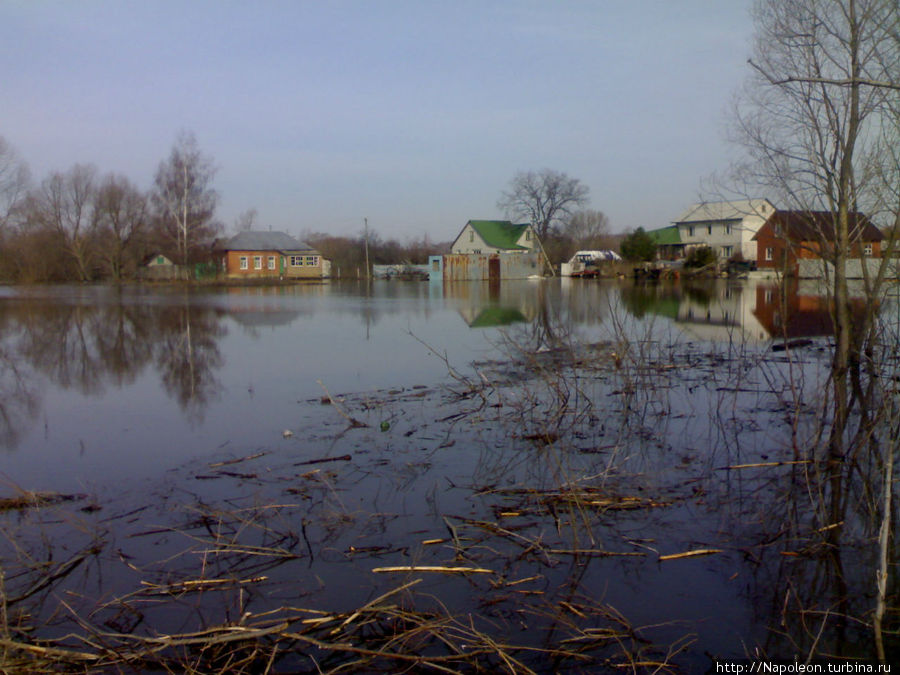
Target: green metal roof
(499,233)
(666,236)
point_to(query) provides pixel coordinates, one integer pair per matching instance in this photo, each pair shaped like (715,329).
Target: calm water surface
(133,394)
(102,384)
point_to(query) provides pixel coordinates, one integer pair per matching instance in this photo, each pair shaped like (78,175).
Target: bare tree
(543,198)
(64,204)
(820,122)
(184,200)
(245,221)
(588,229)
(15,179)
(122,211)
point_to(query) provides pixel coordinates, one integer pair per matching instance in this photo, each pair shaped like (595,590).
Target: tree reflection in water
(89,347)
(187,356)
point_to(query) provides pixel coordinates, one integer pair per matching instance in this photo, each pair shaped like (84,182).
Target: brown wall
(283,267)
(785,257)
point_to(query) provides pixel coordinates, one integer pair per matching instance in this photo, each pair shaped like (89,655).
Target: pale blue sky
(415,114)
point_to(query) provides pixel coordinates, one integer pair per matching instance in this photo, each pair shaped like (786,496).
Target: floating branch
(322,460)
(758,465)
(691,554)
(237,460)
(354,423)
(435,568)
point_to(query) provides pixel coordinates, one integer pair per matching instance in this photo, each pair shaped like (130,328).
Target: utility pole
(366,230)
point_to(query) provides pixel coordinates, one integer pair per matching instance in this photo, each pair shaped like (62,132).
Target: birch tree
(183,197)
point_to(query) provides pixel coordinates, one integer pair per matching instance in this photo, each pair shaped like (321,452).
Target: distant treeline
(80,225)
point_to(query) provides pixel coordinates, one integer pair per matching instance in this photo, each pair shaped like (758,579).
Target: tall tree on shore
(65,204)
(15,179)
(544,198)
(820,121)
(122,213)
(183,197)
(588,229)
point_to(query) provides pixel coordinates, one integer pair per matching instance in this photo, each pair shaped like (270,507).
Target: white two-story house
(726,227)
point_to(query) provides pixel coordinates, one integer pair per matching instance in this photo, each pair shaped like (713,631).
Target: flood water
(562,436)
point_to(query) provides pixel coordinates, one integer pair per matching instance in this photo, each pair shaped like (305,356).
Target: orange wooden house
(790,236)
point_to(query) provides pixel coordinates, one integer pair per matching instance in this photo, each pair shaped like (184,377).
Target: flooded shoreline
(566,501)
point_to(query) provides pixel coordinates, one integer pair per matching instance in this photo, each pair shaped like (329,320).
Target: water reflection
(187,356)
(724,310)
(90,342)
(88,347)
(604,461)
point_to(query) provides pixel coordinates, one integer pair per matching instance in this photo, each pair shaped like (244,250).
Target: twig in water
(354,423)
(690,554)
(434,568)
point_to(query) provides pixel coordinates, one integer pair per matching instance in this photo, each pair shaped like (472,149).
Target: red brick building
(255,255)
(789,236)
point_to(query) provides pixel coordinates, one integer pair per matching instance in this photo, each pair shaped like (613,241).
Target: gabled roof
(817,225)
(666,236)
(737,210)
(264,241)
(499,233)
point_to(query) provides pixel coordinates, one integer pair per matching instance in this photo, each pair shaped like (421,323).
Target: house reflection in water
(484,304)
(746,311)
(794,309)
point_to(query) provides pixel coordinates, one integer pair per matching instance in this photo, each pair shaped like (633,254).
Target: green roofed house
(495,236)
(668,243)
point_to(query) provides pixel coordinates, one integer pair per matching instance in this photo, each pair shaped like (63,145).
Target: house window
(257,262)
(271,262)
(528,235)
(471,236)
(867,249)
(312,260)
(727,251)
(691,231)
(728,229)
(160,260)
(243,262)
(296,260)
(770,254)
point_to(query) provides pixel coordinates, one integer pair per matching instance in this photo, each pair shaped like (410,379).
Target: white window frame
(867,249)
(770,254)
(257,262)
(245,262)
(271,262)
(296,261)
